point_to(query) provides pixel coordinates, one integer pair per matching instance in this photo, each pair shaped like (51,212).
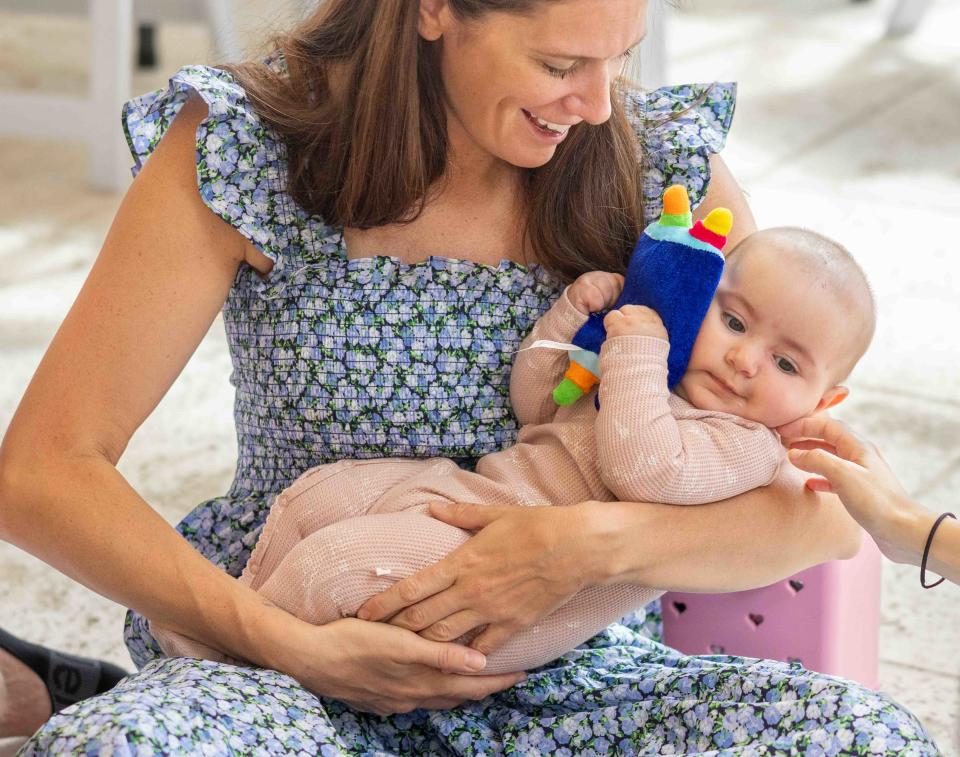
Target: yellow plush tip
(719,221)
(675,200)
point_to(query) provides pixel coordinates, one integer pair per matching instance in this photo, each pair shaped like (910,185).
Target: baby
(792,315)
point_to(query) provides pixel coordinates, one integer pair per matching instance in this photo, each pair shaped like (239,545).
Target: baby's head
(792,316)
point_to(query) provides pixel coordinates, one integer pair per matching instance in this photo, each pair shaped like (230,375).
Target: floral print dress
(336,358)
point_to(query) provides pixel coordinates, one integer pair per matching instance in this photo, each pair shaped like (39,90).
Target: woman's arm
(163,274)
(740,543)
(161,277)
(527,561)
(724,192)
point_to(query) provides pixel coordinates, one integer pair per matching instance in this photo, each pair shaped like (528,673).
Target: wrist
(256,630)
(908,528)
(269,635)
(612,554)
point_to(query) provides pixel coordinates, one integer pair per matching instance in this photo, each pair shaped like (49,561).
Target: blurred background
(848,121)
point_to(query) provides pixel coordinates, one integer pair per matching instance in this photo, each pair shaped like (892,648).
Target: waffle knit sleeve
(536,372)
(655,447)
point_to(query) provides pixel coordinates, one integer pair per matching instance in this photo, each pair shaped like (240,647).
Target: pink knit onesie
(345,531)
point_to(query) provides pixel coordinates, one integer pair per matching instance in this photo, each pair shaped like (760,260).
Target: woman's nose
(743,359)
(592,98)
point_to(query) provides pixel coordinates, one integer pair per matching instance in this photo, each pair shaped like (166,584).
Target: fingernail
(476,661)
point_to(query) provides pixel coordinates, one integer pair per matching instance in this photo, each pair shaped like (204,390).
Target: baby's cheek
(784,404)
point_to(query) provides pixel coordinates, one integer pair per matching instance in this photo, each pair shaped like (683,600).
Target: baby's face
(769,346)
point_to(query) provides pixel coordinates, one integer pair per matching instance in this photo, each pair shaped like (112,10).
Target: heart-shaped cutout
(755,618)
(796,585)
(717,649)
(680,607)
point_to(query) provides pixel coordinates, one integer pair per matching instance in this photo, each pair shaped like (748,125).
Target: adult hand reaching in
(853,468)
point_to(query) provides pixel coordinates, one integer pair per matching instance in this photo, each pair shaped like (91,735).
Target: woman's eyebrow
(567,56)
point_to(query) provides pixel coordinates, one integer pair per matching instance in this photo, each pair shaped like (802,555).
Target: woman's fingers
(819,485)
(837,472)
(424,614)
(493,637)
(452,627)
(469,517)
(813,444)
(425,583)
(449,658)
(453,658)
(835,434)
(476,688)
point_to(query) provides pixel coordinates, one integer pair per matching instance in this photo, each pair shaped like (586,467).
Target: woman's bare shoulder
(179,146)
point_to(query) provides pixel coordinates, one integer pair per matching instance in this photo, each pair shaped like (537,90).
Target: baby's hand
(595,291)
(634,320)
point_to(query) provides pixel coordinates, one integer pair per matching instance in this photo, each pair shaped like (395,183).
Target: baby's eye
(786,366)
(733,323)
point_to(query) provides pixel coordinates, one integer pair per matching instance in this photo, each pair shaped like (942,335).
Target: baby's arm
(537,371)
(653,447)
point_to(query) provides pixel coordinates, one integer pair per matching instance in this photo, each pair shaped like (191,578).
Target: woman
(451,163)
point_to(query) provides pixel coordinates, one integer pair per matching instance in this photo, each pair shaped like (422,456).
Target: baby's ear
(833,396)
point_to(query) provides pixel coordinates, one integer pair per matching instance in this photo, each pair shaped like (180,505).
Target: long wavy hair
(366,151)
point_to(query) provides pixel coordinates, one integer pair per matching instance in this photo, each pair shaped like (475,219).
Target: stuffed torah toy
(674,269)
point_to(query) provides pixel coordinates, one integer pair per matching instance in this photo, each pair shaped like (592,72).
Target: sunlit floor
(837,129)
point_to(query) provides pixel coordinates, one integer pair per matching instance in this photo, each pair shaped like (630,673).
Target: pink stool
(826,617)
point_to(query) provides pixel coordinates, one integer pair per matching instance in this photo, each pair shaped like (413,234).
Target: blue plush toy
(674,269)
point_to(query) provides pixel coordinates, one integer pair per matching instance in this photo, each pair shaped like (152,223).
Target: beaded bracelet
(926,552)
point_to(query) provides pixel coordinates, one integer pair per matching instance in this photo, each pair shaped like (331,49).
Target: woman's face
(515,84)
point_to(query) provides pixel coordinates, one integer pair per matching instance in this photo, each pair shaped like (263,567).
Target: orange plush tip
(676,201)
(582,377)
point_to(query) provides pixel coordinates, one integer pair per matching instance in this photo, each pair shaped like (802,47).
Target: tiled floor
(837,128)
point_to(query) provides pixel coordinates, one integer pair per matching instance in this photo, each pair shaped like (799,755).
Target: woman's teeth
(558,128)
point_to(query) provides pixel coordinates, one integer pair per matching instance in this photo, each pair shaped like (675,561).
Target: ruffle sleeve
(239,163)
(678,128)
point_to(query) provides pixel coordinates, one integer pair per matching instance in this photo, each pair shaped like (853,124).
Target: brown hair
(366,153)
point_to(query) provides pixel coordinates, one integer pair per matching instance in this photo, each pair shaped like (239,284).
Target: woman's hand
(379,668)
(853,469)
(595,291)
(523,564)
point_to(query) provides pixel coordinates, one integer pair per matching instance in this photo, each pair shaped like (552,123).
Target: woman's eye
(786,366)
(560,73)
(734,323)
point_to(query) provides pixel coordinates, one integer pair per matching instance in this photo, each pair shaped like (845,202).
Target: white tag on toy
(550,345)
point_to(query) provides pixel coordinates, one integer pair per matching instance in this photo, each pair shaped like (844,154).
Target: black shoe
(68,678)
